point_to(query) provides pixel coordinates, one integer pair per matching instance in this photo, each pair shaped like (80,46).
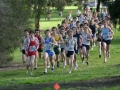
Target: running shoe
(75,67)
(58,64)
(48,66)
(83,60)
(31,74)
(87,63)
(99,56)
(52,69)
(45,71)
(69,72)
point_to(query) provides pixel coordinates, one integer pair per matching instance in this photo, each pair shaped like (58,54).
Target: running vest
(48,45)
(84,39)
(24,42)
(39,38)
(105,33)
(71,44)
(57,37)
(62,45)
(32,46)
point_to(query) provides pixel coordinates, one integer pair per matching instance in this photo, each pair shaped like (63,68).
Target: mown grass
(96,69)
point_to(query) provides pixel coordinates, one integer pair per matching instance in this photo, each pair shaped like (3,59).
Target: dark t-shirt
(77,36)
(93,28)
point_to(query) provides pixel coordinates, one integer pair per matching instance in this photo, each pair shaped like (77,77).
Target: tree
(98,4)
(14,15)
(114,10)
(38,7)
(60,4)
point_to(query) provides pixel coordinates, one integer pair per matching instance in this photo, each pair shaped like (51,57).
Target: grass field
(96,76)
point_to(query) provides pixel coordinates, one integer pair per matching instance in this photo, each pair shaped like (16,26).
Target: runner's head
(100,24)
(32,33)
(62,30)
(54,30)
(47,33)
(86,29)
(37,31)
(105,24)
(74,30)
(26,32)
(70,33)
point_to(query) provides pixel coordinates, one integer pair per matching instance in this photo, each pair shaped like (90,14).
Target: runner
(78,38)
(60,15)
(106,34)
(31,50)
(22,45)
(86,38)
(48,50)
(99,39)
(62,45)
(93,28)
(40,49)
(71,43)
(58,39)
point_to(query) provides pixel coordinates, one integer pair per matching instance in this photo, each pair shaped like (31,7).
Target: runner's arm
(21,43)
(111,32)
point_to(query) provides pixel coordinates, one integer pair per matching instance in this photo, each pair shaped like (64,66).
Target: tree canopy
(14,16)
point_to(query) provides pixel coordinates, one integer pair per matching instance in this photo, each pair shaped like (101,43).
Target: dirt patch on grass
(85,85)
(11,66)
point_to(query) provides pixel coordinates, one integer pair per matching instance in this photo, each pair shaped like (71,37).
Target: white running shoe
(48,66)
(75,67)
(91,48)
(69,72)
(31,74)
(27,72)
(45,71)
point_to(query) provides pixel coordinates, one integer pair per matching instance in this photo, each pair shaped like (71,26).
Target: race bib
(32,48)
(47,46)
(71,47)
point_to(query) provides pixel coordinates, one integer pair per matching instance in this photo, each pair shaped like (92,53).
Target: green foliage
(60,4)
(14,16)
(114,9)
(38,7)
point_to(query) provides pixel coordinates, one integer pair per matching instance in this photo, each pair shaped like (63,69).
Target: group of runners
(64,42)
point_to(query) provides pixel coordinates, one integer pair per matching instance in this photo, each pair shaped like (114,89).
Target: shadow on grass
(117,66)
(51,20)
(96,83)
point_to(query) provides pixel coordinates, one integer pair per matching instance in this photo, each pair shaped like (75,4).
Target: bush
(14,16)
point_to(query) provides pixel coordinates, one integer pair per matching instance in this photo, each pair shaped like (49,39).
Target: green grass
(96,69)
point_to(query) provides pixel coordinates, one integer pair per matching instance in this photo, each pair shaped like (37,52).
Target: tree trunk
(37,23)
(98,6)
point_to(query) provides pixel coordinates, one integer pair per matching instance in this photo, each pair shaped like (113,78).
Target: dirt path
(11,66)
(85,85)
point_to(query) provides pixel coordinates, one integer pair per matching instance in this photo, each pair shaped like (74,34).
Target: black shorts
(62,49)
(23,51)
(40,50)
(99,40)
(108,42)
(70,53)
(87,46)
(56,50)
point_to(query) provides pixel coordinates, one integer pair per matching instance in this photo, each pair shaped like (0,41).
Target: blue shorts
(50,53)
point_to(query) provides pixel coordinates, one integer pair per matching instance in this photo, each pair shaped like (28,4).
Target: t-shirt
(93,28)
